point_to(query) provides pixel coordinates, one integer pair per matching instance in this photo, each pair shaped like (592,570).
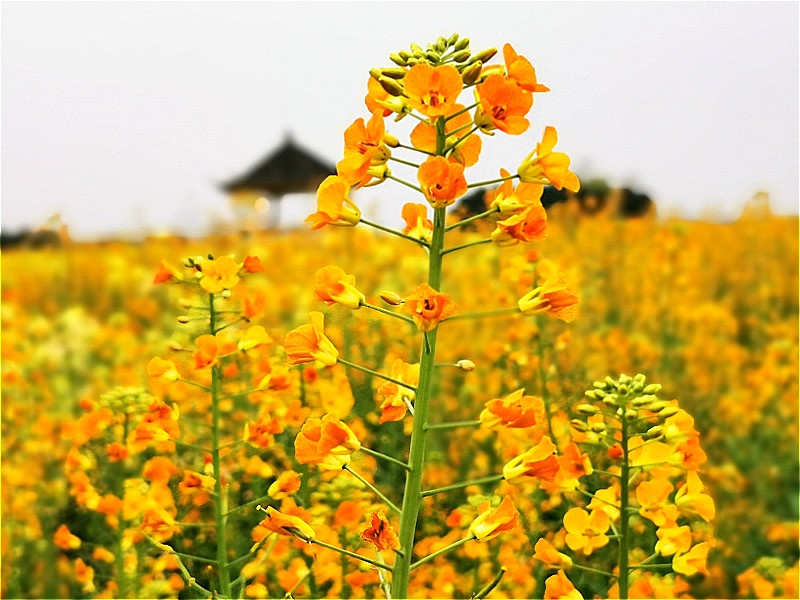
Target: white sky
(126,116)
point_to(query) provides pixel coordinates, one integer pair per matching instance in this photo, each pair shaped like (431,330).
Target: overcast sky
(126,116)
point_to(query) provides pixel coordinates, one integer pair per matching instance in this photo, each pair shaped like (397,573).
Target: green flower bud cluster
(453,51)
(628,398)
(126,400)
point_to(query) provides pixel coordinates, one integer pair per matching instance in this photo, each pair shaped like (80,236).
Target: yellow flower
(586,532)
(492,522)
(334,207)
(308,343)
(539,462)
(327,443)
(334,286)
(545,166)
(219,274)
(552,558)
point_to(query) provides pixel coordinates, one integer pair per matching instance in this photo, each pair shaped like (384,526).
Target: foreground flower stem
(444,550)
(375,490)
(412,498)
(623,511)
(378,564)
(462,484)
(220,503)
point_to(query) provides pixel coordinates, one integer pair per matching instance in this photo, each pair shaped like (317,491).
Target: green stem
(405,183)
(375,490)
(219,500)
(543,382)
(453,425)
(387,312)
(376,374)
(412,499)
(462,484)
(444,550)
(467,245)
(492,181)
(482,215)
(591,570)
(486,590)
(190,580)
(385,457)
(393,232)
(624,513)
(404,162)
(241,507)
(497,312)
(351,554)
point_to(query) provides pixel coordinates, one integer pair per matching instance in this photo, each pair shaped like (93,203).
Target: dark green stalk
(624,513)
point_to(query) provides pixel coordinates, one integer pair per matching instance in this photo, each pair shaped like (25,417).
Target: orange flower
(432,90)
(466,148)
(537,463)
(381,533)
(503,105)
(574,463)
(548,166)
(559,587)
(418,225)
(84,574)
(333,205)
(219,274)
(394,407)
(285,485)
(514,411)
(427,307)
(527,225)
(308,343)
(441,181)
(492,522)
(508,200)
(259,433)
(334,286)
(586,532)
(206,353)
(552,298)
(327,443)
(64,539)
(165,273)
(552,558)
(364,147)
(252,264)
(520,71)
(282,524)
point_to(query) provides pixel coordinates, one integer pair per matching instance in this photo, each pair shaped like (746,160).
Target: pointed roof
(288,169)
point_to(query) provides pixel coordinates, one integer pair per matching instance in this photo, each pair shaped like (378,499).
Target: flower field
(570,407)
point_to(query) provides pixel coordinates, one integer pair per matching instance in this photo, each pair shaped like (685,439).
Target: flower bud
(600,393)
(432,56)
(600,385)
(461,56)
(183,319)
(417,50)
(668,412)
(466,365)
(398,59)
(391,140)
(391,86)
(590,394)
(484,56)
(392,72)
(472,73)
(392,298)
(579,425)
(452,39)
(654,432)
(461,44)
(631,414)
(656,406)
(587,409)
(623,389)
(598,427)
(653,388)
